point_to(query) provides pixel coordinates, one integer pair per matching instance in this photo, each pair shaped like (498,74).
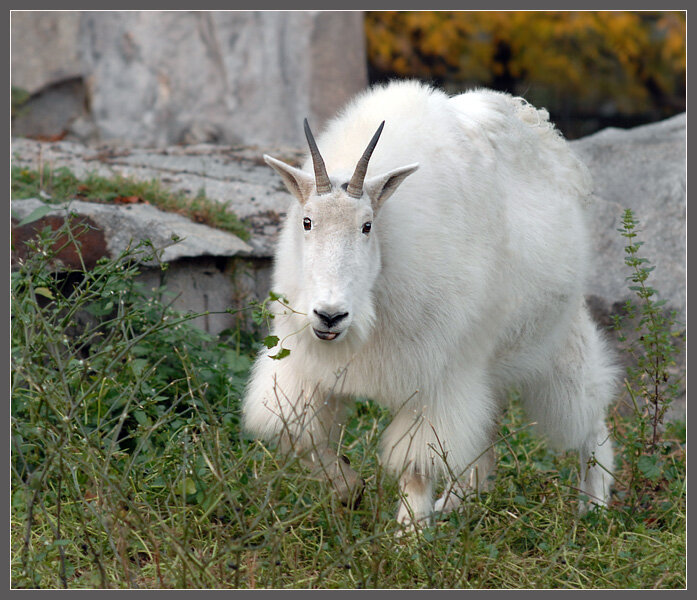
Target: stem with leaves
(650,383)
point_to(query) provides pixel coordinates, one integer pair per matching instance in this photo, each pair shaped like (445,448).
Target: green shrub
(129,469)
(106,382)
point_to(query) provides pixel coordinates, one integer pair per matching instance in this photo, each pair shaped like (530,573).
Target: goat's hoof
(351,496)
(409,526)
(355,496)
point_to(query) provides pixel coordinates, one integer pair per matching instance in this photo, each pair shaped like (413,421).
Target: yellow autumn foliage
(634,61)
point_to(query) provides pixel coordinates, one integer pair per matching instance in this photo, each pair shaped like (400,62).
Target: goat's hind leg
(570,405)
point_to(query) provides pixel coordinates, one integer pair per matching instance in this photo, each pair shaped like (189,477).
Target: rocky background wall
(161,78)
(194,99)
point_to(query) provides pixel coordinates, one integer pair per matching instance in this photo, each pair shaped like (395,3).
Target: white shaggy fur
(470,283)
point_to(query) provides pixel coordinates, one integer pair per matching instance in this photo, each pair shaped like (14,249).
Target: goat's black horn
(355,186)
(322,182)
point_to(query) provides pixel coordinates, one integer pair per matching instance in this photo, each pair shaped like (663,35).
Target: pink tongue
(330,336)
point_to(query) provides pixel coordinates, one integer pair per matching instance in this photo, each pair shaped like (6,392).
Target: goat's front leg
(313,445)
(416,503)
(304,421)
(473,481)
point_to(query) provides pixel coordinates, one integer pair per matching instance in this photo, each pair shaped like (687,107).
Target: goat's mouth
(326,335)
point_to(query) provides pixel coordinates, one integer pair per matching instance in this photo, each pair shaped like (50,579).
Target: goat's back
(498,191)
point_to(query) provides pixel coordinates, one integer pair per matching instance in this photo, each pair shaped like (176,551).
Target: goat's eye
(307,224)
(366,227)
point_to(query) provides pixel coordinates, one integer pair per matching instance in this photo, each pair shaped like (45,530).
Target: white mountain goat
(433,272)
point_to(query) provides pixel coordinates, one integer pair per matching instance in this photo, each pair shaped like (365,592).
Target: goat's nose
(331,319)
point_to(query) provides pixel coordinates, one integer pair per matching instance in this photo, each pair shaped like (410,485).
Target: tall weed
(652,338)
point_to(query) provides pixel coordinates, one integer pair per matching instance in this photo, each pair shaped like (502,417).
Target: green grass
(61,185)
(18,98)
(129,469)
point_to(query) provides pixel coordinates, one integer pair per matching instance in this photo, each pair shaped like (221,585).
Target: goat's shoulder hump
(396,99)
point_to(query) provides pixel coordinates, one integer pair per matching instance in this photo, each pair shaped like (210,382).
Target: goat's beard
(362,324)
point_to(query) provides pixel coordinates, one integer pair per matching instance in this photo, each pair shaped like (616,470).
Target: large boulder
(207,272)
(48,66)
(122,227)
(642,169)
(237,176)
(162,78)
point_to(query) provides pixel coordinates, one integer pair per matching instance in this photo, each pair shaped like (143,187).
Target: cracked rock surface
(644,169)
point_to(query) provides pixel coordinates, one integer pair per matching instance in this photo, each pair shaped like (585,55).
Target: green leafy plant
(18,98)
(651,384)
(104,379)
(262,315)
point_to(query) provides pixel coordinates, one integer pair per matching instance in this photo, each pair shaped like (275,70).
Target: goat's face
(340,251)
(340,262)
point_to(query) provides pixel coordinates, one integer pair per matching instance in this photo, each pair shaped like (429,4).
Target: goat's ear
(381,187)
(299,183)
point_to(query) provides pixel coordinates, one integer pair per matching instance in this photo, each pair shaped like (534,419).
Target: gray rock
(204,277)
(53,111)
(124,227)
(45,48)
(234,175)
(160,78)
(643,169)
(220,288)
